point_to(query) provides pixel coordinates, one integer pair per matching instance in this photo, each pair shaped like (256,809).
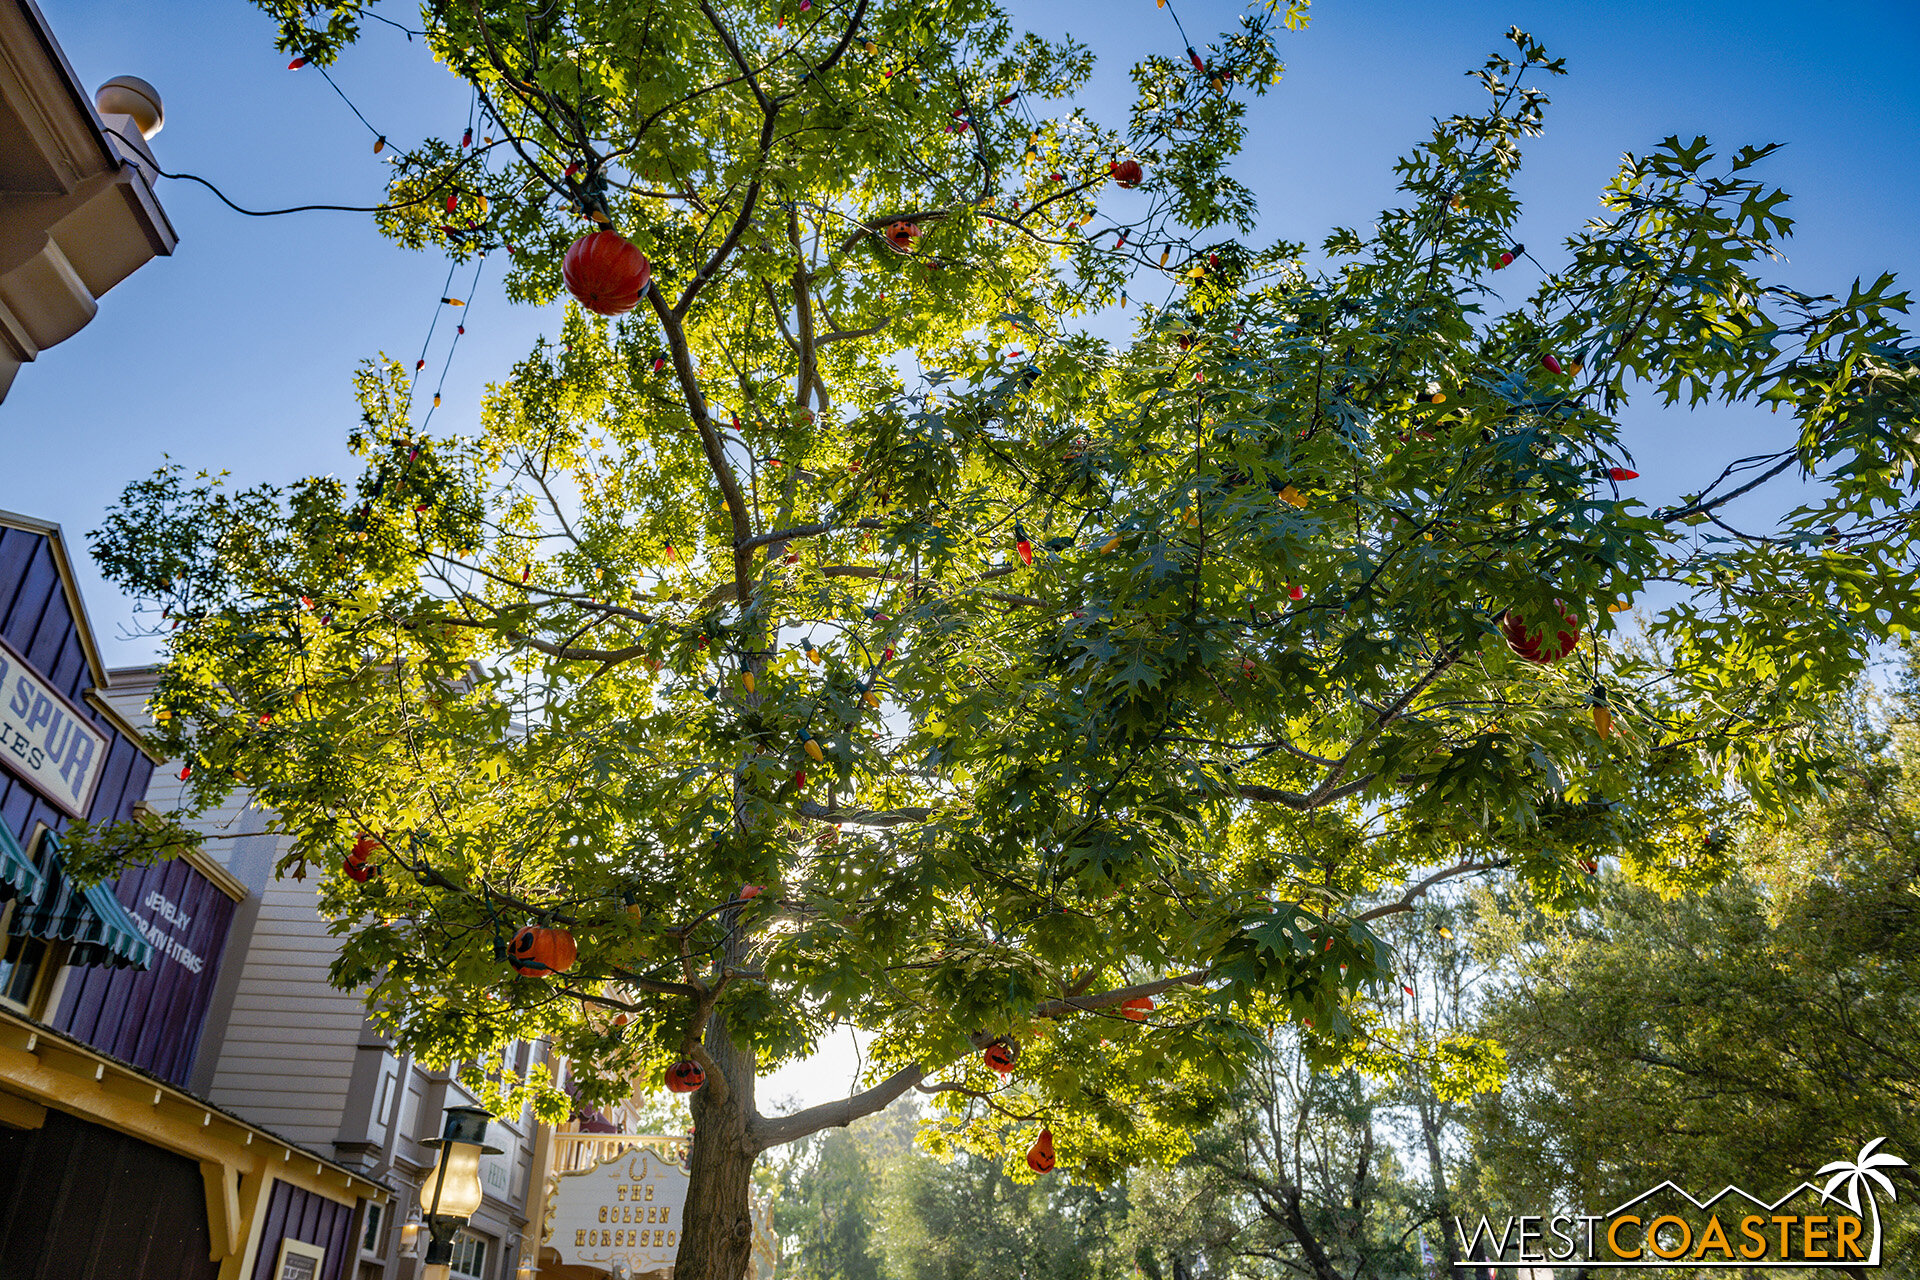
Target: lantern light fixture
(410,1234)
(451,1193)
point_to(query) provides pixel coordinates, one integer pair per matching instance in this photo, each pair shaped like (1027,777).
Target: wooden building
(288,1051)
(111,1164)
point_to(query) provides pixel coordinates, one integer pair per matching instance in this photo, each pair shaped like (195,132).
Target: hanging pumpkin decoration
(537,951)
(358,868)
(1000,1056)
(1534,646)
(1040,1154)
(685,1076)
(1126,173)
(901,235)
(1137,1009)
(606,273)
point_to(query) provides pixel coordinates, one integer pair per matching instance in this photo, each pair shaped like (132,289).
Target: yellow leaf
(1292,497)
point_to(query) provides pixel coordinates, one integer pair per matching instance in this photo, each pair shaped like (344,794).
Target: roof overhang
(77,209)
(40,1068)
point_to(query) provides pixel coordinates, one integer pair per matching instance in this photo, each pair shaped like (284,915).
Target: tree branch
(772,1131)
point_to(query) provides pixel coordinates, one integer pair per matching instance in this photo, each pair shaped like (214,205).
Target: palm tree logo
(1863,1173)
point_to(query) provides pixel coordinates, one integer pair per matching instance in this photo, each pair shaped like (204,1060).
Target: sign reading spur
(46,740)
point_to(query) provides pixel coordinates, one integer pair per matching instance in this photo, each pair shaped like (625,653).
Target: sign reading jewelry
(46,740)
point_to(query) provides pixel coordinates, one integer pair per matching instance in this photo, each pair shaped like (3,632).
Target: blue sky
(237,352)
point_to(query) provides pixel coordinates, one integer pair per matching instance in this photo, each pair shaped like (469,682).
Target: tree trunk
(1442,1197)
(716,1229)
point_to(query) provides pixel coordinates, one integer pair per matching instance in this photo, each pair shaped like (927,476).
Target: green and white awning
(19,878)
(92,919)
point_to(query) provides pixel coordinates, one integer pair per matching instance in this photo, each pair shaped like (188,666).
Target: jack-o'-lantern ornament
(685,1076)
(358,866)
(901,235)
(1040,1154)
(606,273)
(534,952)
(1126,173)
(1535,646)
(1000,1056)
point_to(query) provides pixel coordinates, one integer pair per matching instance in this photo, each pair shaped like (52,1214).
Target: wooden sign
(45,740)
(626,1210)
(299,1261)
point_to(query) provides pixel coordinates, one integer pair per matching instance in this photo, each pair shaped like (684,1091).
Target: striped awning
(19,878)
(92,919)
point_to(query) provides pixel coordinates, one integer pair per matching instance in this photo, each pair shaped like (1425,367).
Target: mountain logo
(1667,1227)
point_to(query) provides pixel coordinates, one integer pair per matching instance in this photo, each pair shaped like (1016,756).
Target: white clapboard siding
(287,1058)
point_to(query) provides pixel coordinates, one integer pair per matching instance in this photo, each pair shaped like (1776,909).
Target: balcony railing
(575,1151)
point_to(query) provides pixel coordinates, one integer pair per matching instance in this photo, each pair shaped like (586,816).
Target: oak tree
(847,636)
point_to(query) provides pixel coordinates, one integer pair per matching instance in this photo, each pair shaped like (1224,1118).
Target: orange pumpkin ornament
(1000,1056)
(537,951)
(1040,1155)
(1534,645)
(606,273)
(901,235)
(358,867)
(685,1076)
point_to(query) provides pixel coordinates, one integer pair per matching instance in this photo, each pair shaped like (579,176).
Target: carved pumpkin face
(1534,646)
(685,1076)
(1126,173)
(606,273)
(1040,1154)
(537,951)
(901,235)
(1000,1056)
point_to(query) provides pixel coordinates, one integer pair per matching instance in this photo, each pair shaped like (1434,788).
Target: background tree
(1747,1034)
(814,655)
(1338,1175)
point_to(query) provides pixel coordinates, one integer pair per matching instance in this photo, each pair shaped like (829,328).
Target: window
(376,1219)
(470,1255)
(20,968)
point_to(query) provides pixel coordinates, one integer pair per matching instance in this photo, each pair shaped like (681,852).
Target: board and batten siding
(293,1214)
(37,618)
(287,1058)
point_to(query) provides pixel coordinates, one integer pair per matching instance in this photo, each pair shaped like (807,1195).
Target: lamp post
(451,1193)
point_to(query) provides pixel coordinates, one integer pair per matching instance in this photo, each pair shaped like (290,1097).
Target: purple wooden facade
(153,1018)
(311,1219)
(37,620)
(79,1201)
